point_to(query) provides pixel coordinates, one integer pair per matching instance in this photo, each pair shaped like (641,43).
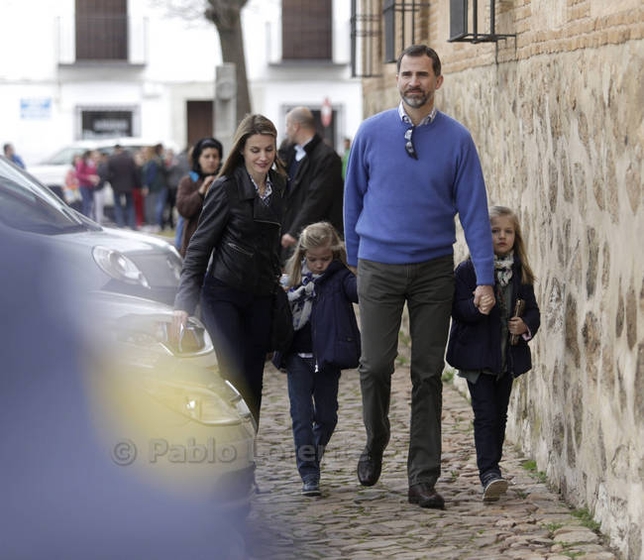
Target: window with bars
(307,30)
(461,13)
(101,30)
(403,26)
(381,30)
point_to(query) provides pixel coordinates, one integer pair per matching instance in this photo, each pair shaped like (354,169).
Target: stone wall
(558,116)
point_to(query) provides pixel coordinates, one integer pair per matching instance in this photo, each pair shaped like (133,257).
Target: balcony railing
(115,39)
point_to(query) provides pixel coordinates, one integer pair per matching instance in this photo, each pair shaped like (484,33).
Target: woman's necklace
(261,188)
(259,182)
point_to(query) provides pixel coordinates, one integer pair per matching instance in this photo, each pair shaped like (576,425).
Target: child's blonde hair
(527,276)
(314,236)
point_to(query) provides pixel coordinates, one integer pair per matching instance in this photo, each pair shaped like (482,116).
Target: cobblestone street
(351,521)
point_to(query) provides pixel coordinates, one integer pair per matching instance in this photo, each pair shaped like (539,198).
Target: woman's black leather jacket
(239,235)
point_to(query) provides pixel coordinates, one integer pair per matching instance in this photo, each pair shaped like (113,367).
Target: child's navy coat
(334,328)
(475,339)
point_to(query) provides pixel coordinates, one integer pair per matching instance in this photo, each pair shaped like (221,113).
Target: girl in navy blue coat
(488,343)
(321,291)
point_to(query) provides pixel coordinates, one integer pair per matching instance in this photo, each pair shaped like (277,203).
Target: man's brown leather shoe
(369,468)
(425,496)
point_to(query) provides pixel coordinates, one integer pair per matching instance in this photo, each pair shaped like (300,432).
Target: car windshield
(26,205)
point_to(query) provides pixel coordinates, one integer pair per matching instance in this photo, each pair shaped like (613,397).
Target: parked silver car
(108,259)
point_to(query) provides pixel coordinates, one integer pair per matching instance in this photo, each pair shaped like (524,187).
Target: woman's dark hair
(199,147)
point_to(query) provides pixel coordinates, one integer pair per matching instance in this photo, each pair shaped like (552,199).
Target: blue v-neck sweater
(400,210)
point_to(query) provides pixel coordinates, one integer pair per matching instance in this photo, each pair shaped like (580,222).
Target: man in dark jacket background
(315,189)
(124,176)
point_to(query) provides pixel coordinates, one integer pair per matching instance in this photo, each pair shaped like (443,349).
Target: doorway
(200,120)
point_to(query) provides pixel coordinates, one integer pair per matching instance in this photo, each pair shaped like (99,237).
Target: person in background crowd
(411,170)
(321,291)
(185,157)
(138,195)
(239,227)
(71,194)
(178,167)
(155,187)
(99,192)
(11,155)
(488,343)
(205,162)
(125,178)
(87,175)
(315,187)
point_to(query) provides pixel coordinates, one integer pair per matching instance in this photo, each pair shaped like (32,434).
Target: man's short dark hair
(421,50)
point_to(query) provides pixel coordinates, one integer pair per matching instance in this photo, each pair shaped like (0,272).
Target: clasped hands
(484,301)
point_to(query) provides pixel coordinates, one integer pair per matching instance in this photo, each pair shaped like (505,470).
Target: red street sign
(326,114)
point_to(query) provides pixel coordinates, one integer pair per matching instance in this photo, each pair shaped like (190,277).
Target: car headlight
(196,402)
(147,340)
(118,266)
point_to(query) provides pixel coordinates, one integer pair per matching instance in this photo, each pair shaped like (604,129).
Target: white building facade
(157,81)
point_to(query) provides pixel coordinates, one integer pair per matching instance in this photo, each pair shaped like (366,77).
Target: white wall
(180,54)
(181,60)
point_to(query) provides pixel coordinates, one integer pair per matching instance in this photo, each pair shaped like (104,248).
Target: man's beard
(418,100)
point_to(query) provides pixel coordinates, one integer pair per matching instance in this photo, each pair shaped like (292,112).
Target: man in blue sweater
(411,170)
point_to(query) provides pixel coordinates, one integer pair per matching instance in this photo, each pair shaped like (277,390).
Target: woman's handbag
(282,323)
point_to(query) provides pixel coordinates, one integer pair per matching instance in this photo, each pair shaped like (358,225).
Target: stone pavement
(354,522)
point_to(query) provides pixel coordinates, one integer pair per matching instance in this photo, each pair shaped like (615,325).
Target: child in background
(489,344)
(321,290)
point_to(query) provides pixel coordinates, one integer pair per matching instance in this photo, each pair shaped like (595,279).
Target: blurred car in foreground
(163,409)
(117,440)
(107,259)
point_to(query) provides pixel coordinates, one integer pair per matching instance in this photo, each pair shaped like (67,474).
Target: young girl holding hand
(488,344)
(321,291)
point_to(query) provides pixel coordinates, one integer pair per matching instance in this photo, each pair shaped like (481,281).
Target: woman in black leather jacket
(239,227)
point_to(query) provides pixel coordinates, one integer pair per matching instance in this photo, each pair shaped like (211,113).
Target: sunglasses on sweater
(409,143)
